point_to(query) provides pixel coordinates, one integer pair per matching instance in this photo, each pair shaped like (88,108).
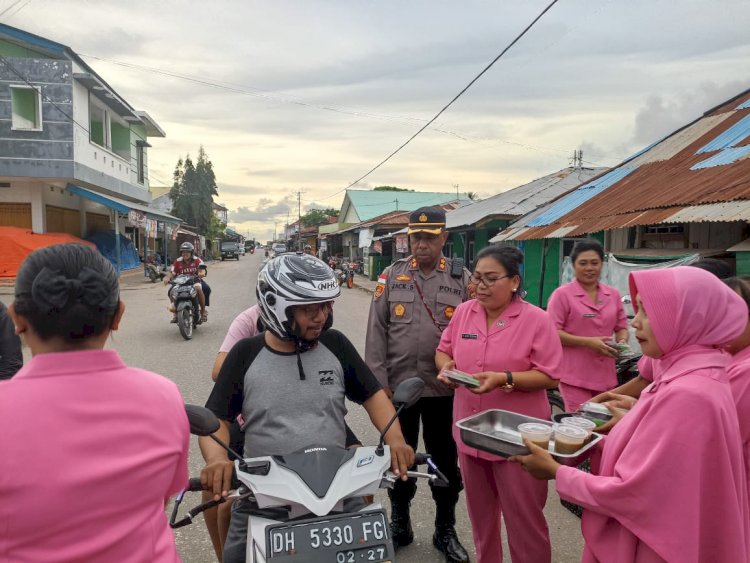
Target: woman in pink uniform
(587,314)
(738,372)
(672,483)
(90,449)
(513,348)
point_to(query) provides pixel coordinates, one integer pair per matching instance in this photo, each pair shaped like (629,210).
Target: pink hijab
(671,484)
(691,314)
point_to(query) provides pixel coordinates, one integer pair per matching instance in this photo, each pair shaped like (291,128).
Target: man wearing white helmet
(189,263)
(288,384)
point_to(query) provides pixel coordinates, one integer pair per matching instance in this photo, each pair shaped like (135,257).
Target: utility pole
(456,186)
(299,221)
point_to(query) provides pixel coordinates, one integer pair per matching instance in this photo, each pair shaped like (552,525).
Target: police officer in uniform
(413,302)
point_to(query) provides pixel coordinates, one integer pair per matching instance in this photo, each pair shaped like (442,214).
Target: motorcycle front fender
(184,305)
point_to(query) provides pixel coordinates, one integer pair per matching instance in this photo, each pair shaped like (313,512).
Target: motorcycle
(252,250)
(348,273)
(153,269)
(341,277)
(313,505)
(185,301)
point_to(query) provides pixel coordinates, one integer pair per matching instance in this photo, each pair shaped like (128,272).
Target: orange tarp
(17,243)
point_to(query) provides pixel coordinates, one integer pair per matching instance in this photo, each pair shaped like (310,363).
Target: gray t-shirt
(281,412)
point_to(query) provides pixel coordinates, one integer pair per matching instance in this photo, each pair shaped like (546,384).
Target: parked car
(229,250)
(240,249)
(278,248)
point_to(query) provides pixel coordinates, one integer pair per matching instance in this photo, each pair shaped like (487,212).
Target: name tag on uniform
(466,336)
(589,315)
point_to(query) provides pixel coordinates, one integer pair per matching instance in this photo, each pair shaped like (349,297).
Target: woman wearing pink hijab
(671,485)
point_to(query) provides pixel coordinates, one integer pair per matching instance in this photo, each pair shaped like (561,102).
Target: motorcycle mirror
(626,300)
(408,392)
(202,421)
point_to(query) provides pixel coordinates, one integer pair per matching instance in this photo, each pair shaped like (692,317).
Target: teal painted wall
(742,263)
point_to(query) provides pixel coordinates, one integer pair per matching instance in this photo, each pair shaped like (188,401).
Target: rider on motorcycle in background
(288,384)
(189,263)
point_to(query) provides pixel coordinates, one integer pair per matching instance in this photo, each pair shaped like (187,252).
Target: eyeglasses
(311,311)
(488,280)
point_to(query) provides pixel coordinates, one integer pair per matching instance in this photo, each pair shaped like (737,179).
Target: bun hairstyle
(509,257)
(67,291)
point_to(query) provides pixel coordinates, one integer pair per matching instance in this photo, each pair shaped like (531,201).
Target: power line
(449,104)
(295,100)
(13,5)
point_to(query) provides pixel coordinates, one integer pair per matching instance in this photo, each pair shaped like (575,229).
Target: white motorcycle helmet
(293,279)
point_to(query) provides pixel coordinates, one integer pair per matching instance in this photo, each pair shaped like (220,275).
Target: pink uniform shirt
(245,325)
(91,450)
(738,372)
(522,339)
(572,310)
(671,484)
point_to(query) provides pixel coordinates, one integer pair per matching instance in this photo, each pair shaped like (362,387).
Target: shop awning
(122,205)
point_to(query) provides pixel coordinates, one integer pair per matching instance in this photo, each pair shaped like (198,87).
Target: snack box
(496,431)
(461,378)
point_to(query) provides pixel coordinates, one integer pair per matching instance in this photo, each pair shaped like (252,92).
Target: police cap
(427,220)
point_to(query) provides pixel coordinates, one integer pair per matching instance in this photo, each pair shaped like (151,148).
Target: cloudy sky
(308,95)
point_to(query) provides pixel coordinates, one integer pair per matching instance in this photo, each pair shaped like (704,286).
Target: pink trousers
(574,397)
(500,488)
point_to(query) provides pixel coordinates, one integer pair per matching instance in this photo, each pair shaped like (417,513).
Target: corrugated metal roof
(523,199)
(580,195)
(726,156)
(369,204)
(731,137)
(673,144)
(686,186)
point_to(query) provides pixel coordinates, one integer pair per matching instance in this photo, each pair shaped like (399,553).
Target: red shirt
(182,267)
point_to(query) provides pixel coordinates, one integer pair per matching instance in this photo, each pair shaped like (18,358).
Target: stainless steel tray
(496,432)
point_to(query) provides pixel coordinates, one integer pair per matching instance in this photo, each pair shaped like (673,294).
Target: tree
(193,190)
(390,189)
(318,216)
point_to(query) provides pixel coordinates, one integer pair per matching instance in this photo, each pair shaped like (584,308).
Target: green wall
(742,263)
(534,257)
(24,103)
(120,136)
(481,237)
(8,49)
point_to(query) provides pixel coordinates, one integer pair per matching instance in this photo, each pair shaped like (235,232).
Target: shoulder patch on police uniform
(380,287)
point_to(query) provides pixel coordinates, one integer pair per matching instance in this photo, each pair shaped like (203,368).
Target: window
(99,126)
(26,106)
(664,230)
(139,163)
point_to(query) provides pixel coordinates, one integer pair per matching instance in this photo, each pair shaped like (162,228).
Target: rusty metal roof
(699,173)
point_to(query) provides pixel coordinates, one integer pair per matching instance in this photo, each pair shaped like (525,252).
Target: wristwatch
(509,385)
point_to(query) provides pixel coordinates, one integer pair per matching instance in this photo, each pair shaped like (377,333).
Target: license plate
(332,538)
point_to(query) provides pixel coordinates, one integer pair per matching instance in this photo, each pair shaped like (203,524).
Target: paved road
(146,339)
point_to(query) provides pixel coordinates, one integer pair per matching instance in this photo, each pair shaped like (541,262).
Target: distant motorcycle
(154,270)
(334,263)
(186,304)
(348,271)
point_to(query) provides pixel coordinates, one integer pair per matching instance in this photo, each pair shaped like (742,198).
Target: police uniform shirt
(402,335)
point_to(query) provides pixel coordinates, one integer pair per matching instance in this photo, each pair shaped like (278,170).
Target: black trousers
(436,415)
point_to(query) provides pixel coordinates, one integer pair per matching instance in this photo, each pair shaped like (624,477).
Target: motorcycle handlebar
(194,485)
